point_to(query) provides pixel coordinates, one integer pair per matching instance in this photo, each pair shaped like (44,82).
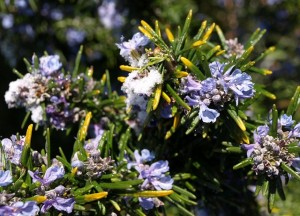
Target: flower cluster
(94,165)
(211,95)
(13,205)
(140,83)
(233,48)
(173,84)
(155,176)
(269,152)
(48,93)
(56,185)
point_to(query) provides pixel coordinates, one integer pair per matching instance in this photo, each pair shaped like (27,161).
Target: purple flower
(138,40)
(296,164)
(208,85)
(60,204)
(75,37)
(216,69)
(208,115)
(109,16)
(211,94)
(249,148)
(5,178)
(190,84)
(240,84)
(49,65)
(286,121)
(52,173)
(13,148)
(7,21)
(54,199)
(155,176)
(146,203)
(149,203)
(145,156)
(260,133)
(60,113)
(28,208)
(295,132)
(91,146)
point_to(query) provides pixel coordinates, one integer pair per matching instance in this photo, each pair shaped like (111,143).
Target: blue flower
(260,133)
(208,85)
(241,85)
(249,148)
(54,199)
(49,65)
(146,203)
(286,121)
(149,203)
(60,204)
(75,37)
(295,132)
(5,178)
(28,208)
(109,15)
(216,69)
(145,156)
(127,47)
(208,115)
(52,173)
(13,148)
(190,85)
(155,176)
(210,94)
(296,164)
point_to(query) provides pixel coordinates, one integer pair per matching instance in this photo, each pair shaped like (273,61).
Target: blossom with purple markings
(55,199)
(268,152)
(5,178)
(109,16)
(155,176)
(131,50)
(211,94)
(49,65)
(141,159)
(55,171)
(295,132)
(13,148)
(19,208)
(285,121)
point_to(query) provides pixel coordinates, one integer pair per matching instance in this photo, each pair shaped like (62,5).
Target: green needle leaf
(177,98)
(290,171)
(246,162)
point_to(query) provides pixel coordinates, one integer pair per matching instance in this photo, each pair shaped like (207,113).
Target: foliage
(191,95)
